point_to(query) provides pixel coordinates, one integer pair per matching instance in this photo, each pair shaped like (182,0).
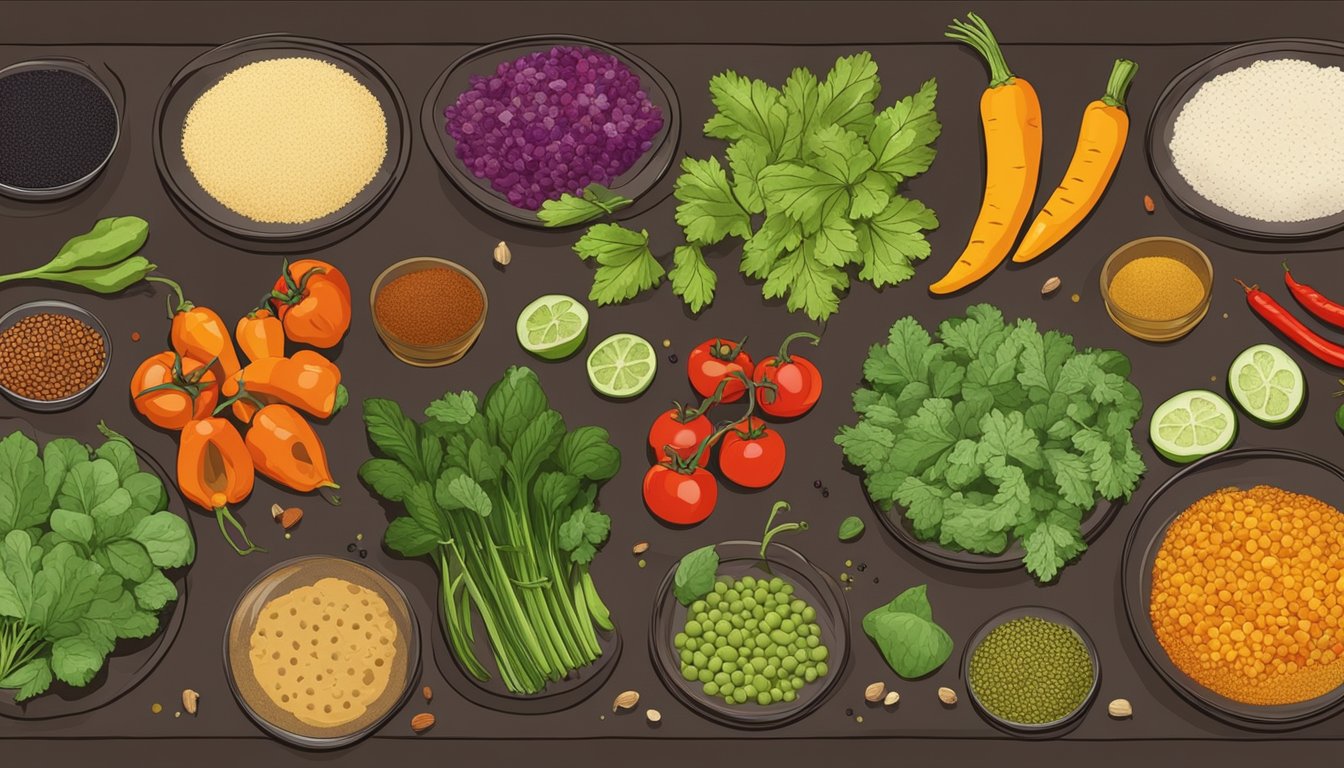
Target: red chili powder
(430,307)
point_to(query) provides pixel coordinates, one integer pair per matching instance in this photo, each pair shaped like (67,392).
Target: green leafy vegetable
(626,266)
(995,433)
(809,184)
(851,528)
(595,202)
(500,496)
(101,260)
(695,575)
(903,630)
(85,536)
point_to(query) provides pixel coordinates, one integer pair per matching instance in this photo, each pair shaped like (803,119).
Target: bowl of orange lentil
(1234,586)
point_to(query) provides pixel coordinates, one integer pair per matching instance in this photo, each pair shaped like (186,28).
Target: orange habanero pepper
(306,381)
(285,448)
(260,335)
(200,333)
(215,470)
(171,390)
(312,300)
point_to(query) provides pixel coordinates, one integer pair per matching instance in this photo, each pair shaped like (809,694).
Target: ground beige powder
(285,141)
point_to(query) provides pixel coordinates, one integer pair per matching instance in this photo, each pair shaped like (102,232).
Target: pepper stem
(222,515)
(182,304)
(783,356)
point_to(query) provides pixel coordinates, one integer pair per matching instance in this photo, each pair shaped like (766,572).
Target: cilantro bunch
(84,538)
(995,433)
(501,497)
(810,185)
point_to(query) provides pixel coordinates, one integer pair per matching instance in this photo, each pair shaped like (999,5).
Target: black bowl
(1183,87)
(634,183)
(1241,468)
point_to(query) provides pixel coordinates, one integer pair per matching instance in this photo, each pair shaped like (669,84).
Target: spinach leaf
(121,456)
(72,526)
(166,540)
(130,559)
(387,478)
(903,630)
(587,452)
(24,500)
(30,679)
(155,592)
(88,484)
(394,434)
(58,457)
(851,528)
(695,575)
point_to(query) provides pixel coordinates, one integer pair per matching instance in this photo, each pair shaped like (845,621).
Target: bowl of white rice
(1251,139)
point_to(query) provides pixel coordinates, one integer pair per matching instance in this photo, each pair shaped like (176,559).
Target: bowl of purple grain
(552,131)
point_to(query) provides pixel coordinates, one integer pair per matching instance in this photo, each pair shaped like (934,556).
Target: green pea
(729,666)
(772,620)
(770,672)
(693,628)
(810,674)
(776,695)
(749,689)
(687,656)
(759,663)
(808,613)
(761,683)
(748,602)
(800,656)
(763,698)
(690,673)
(782,637)
(758,652)
(819,653)
(723,678)
(797,682)
(679,641)
(727,652)
(720,587)
(723,627)
(784,684)
(736,606)
(737,677)
(715,663)
(708,649)
(704,676)
(758,613)
(787,625)
(740,695)
(822,669)
(788,663)
(707,637)
(711,689)
(711,600)
(735,637)
(720,641)
(790,696)
(751,625)
(749,582)
(699,659)
(813,642)
(726,690)
(714,614)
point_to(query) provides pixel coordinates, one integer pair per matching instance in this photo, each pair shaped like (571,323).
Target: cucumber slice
(1267,384)
(1192,425)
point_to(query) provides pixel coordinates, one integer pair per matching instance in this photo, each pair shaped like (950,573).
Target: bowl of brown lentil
(52,355)
(428,311)
(1157,288)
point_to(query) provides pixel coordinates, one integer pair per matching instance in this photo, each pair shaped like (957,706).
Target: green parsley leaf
(691,277)
(747,109)
(708,212)
(810,284)
(595,202)
(903,134)
(846,97)
(893,240)
(800,94)
(747,159)
(626,266)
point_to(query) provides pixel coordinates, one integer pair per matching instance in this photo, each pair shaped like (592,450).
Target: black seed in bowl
(56,127)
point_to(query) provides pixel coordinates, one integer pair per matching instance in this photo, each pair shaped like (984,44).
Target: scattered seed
(1050,286)
(825,493)
(428,693)
(1148,204)
(863,567)
(859,719)
(135,335)
(891,699)
(502,254)
(277,511)
(874,691)
(874,579)
(849,713)
(363,553)
(359,537)
(1224,315)
(642,563)
(626,700)
(816,483)
(190,700)
(1120,709)
(653,716)
(672,358)
(288,536)
(849,563)
(1075,298)
(177,714)
(640,548)
(156,707)
(666,343)
(947,696)
(350,547)
(844,577)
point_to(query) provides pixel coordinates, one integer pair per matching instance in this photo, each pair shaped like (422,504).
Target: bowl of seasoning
(52,355)
(59,125)
(1031,671)
(519,122)
(428,311)
(1157,288)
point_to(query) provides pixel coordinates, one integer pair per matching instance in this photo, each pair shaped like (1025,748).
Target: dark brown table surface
(1063,48)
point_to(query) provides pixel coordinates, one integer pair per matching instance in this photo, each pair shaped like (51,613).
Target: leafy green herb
(625,265)
(851,528)
(903,630)
(101,260)
(501,497)
(810,184)
(995,433)
(595,202)
(85,536)
(695,575)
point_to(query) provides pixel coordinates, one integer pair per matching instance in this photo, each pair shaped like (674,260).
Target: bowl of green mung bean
(1031,671)
(764,648)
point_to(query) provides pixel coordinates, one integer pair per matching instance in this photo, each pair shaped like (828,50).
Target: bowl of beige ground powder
(280,138)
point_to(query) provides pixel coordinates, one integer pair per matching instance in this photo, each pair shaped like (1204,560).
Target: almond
(1120,709)
(1050,286)
(291,517)
(190,700)
(947,696)
(653,715)
(428,693)
(640,548)
(1148,204)
(502,254)
(422,722)
(874,692)
(627,700)
(892,698)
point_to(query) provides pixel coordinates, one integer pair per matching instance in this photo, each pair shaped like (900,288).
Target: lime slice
(622,365)
(1192,425)
(1267,384)
(553,326)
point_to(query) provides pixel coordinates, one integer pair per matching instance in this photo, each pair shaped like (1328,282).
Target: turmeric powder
(1248,595)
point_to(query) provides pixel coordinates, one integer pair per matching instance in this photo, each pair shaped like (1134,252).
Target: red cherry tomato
(714,361)
(684,437)
(752,454)
(680,498)
(797,381)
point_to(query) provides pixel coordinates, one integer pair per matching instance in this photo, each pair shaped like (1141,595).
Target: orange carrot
(1101,141)
(1010,114)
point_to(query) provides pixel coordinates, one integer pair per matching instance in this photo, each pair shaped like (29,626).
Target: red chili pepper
(1273,313)
(1314,301)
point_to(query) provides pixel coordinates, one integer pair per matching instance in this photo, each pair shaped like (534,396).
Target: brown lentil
(430,307)
(49,356)
(1248,595)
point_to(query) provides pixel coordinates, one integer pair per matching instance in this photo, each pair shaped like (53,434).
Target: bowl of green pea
(764,648)
(1031,671)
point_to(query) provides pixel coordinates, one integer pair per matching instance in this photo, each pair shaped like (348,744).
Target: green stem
(222,514)
(978,35)
(182,304)
(783,358)
(770,533)
(1117,87)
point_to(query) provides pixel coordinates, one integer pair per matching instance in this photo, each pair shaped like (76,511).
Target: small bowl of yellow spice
(1157,288)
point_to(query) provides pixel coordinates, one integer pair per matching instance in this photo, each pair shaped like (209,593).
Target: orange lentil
(430,307)
(1248,595)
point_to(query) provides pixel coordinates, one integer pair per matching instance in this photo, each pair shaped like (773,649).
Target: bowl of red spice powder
(428,311)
